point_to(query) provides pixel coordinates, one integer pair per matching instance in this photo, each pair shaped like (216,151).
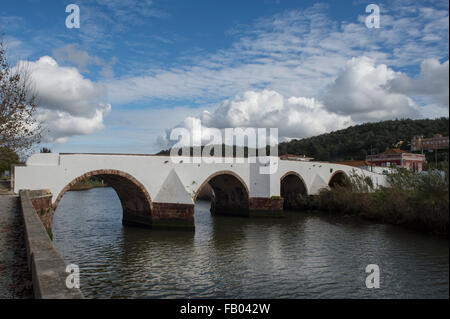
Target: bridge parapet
(155,190)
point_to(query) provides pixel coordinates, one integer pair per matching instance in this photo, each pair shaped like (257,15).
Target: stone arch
(231,194)
(136,202)
(337,179)
(292,188)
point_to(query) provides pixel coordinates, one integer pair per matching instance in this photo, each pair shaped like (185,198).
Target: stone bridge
(158,192)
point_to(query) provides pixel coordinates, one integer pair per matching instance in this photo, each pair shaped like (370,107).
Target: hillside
(353,143)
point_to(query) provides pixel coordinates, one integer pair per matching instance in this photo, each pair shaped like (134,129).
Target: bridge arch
(292,187)
(136,202)
(230,193)
(337,179)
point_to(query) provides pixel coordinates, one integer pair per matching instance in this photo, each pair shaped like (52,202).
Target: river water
(304,255)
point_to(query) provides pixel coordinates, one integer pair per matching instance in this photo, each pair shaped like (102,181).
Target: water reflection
(301,256)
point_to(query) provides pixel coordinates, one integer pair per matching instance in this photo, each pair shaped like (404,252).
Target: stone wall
(42,203)
(47,266)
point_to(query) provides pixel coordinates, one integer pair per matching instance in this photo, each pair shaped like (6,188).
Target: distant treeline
(355,142)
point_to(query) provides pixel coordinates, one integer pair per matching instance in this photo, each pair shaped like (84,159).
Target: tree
(18,128)
(45,150)
(7,158)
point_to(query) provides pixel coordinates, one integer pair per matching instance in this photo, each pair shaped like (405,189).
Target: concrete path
(15,279)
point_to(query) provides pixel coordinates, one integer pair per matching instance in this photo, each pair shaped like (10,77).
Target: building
(302,158)
(437,142)
(397,158)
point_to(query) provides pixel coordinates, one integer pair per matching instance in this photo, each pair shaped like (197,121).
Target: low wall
(47,266)
(42,203)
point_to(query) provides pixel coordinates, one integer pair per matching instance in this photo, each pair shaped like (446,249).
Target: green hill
(354,143)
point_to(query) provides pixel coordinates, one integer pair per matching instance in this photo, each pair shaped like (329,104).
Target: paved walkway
(15,279)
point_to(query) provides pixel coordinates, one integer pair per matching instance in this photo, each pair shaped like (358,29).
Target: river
(304,255)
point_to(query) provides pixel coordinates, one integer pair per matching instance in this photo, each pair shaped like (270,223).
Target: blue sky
(136,69)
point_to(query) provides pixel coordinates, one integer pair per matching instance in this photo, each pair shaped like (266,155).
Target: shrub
(416,200)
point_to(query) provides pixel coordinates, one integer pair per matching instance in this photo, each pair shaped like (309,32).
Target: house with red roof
(395,157)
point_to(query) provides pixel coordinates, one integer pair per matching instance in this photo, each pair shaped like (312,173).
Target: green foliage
(93,180)
(359,183)
(355,142)
(416,200)
(45,150)
(7,158)
(88,183)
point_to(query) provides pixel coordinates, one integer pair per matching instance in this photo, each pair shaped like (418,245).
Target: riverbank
(415,201)
(89,184)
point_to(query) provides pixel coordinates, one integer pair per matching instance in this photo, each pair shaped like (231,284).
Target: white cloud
(432,82)
(103,20)
(71,53)
(294,116)
(82,59)
(61,125)
(69,104)
(361,91)
(296,53)
(364,91)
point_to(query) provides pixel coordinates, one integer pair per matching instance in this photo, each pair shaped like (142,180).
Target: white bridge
(156,191)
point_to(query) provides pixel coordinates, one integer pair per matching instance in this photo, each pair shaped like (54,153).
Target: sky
(136,69)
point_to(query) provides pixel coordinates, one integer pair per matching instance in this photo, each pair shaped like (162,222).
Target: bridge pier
(135,219)
(171,215)
(253,207)
(164,216)
(266,207)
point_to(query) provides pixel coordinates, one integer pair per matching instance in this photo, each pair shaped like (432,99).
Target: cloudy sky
(135,69)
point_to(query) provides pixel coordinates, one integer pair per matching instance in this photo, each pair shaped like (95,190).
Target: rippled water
(301,256)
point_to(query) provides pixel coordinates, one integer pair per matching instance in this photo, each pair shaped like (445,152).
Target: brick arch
(338,172)
(231,194)
(296,174)
(292,185)
(105,173)
(218,173)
